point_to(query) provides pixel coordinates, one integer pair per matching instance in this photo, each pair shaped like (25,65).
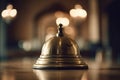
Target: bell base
(60,67)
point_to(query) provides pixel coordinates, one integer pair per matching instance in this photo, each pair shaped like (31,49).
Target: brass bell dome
(60,53)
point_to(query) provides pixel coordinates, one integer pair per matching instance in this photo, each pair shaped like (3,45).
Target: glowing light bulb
(4,13)
(73,13)
(62,20)
(81,13)
(78,12)
(9,13)
(13,13)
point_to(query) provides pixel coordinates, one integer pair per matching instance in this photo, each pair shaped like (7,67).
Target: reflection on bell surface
(60,52)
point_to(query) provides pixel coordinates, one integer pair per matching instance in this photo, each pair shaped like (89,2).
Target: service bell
(60,52)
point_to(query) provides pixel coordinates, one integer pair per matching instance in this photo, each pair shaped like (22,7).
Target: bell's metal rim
(60,67)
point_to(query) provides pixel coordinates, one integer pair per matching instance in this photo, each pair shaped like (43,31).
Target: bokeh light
(78,13)
(62,20)
(9,12)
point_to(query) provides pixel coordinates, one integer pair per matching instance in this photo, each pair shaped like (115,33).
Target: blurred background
(26,24)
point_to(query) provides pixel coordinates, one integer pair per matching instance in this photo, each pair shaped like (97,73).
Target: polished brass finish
(61,74)
(60,53)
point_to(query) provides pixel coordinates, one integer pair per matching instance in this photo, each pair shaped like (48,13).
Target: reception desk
(21,69)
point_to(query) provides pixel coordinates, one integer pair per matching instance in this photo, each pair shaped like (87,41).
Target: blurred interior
(95,27)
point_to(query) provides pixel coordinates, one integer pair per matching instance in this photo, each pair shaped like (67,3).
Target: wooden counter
(21,69)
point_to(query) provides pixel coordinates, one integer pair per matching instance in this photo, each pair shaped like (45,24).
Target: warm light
(10,6)
(9,12)
(4,13)
(59,14)
(81,13)
(13,13)
(78,6)
(70,32)
(27,46)
(78,13)
(64,21)
(73,13)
